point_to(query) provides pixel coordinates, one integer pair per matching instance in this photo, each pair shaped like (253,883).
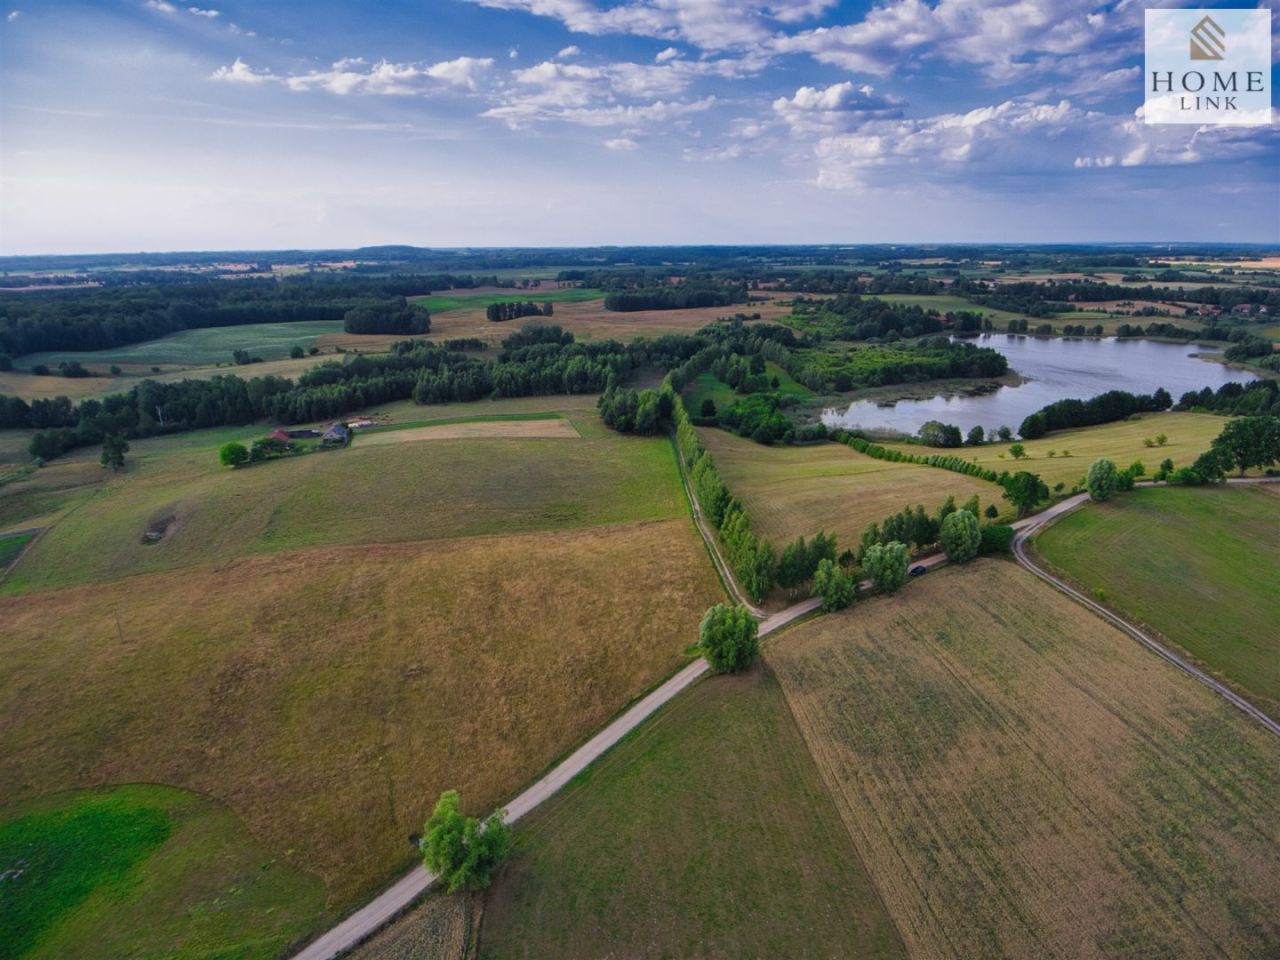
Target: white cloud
(671,53)
(460,72)
(661,111)
(569,51)
(621,144)
(240,31)
(839,107)
(513,53)
(13,15)
(161,6)
(241,72)
(199,12)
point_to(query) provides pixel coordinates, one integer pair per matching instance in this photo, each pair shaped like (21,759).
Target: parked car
(917,571)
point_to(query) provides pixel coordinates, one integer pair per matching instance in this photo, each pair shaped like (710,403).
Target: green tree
(728,637)
(1101,481)
(296,351)
(233,454)
(961,536)
(1025,490)
(833,585)
(991,512)
(114,447)
(1017,451)
(460,850)
(976,437)
(886,565)
(708,409)
(1166,465)
(1248,442)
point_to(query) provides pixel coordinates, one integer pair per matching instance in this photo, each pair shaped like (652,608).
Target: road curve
(1039,522)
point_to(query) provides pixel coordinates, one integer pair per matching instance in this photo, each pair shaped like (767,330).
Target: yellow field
(1190,435)
(329,695)
(1023,780)
(798,491)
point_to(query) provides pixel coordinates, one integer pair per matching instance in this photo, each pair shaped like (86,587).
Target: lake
(1055,369)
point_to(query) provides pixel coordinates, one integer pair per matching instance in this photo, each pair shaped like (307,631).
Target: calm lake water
(1055,370)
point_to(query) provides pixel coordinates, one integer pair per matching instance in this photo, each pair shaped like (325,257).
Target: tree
(1101,481)
(233,454)
(296,351)
(961,536)
(1025,490)
(976,437)
(1017,451)
(1161,439)
(708,410)
(1248,442)
(886,564)
(1166,465)
(460,850)
(833,585)
(935,433)
(991,512)
(728,637)
(1004,433)
(114,447)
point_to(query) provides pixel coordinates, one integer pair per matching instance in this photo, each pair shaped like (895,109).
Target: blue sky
(153,124)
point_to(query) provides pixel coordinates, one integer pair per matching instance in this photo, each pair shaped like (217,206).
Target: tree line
(502,312)
(395,316)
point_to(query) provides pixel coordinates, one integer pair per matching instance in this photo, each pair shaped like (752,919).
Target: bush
(960,537)
(296,352)
(996,538)
(460,850)
(233,454)
(729,638)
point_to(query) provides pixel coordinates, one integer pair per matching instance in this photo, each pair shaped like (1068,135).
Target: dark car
(918,571)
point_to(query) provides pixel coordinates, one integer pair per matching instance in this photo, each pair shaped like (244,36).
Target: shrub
(233,454)
(996,538)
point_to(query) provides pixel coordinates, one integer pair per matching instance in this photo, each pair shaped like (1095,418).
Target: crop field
(1197,564)
(442,927)
(206,345)
(143,870)
(368,493)
(1024,780)
(799,491)
(479,299)
(1189,435)
(706,833)
(327,696)
(543,429)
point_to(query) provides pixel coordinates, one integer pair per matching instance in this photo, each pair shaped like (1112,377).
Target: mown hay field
(1024,780)
(1200,565)
(1188,436)
(706,833)
(366,493)
(443,927)
(798,491)
(552,428)
(327,696)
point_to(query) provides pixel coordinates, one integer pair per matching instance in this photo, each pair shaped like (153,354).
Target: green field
(1188,436)
(706,385)
(270,341)
(1197,564)
(947,303)
(1023,780)
(12,544)
(143,871)
(462,300)
(706,833)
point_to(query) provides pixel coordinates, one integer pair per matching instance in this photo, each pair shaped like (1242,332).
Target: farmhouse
(337,434)
(280,435)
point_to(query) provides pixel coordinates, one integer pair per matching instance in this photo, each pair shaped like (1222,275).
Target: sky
(159,125)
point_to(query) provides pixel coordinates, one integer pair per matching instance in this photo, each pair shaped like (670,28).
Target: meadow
(479,299)
(706,385)
(1196,564)
(798,491)
(944,303)
(706,833)
(1023,780)
(142,870)
(328,695)
(1188,435)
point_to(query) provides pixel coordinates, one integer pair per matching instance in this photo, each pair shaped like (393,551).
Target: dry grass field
(442,927)
(480,430)
(1023,780)
(1189,435)
(795,491)
(328,695)
(707,833)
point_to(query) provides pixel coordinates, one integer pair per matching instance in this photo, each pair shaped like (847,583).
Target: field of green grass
(464,300)
(1023,780)
(947,303)
(143,871)
(1189,435)
(1197,564)
(706,385)
(270,341)
(799,491)
(372,493)
(12,544)
(706,833)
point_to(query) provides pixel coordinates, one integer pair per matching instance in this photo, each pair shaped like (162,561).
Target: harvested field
(1189,435)
(1196,564)
(706,833)
(328,696)
(550,429)
(1024,780)
(798,491)
(442,927)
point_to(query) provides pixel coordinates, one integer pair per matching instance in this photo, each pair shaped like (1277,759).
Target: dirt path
(1034,524)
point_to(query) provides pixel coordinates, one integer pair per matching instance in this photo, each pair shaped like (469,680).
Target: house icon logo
(1208,40)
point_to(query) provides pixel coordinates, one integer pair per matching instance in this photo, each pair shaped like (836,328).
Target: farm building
(280,435)
(339,433)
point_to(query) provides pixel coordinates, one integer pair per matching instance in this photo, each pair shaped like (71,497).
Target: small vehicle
(917,571)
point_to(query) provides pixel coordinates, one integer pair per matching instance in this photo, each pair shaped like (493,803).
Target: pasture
(706,833)
(479,299)
(328,695)
(798,491)
(377,492)
(944,303)
(1196,564)
(141,870)
(544,428)
(1189,435)
(1022,779)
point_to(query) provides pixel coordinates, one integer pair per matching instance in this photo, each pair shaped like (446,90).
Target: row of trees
(396,316)
(502,312)
(694,291)
(1105,408)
